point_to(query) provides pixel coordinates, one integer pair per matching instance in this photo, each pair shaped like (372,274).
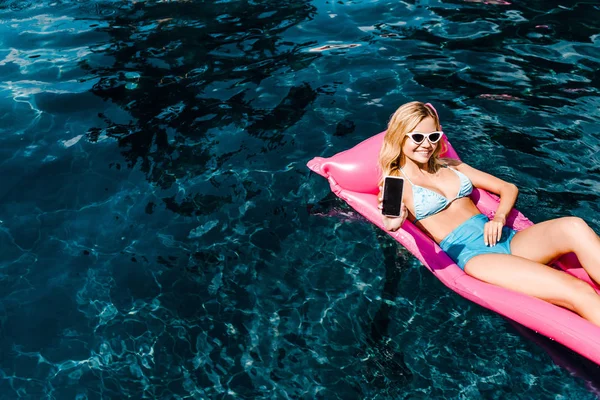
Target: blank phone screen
(392,196)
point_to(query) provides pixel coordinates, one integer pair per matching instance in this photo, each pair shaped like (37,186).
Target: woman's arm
(507,191)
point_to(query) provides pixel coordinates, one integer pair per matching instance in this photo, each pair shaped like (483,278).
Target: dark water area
(162,238)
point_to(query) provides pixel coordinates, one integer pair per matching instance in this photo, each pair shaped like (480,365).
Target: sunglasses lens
(418,137)
(434,137)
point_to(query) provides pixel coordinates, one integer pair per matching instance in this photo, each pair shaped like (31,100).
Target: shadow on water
(564,357)
(384,366)
(182,72)
(186,72)
(182,69)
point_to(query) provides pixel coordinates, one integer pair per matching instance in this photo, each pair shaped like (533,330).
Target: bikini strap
(453,169)
(406,176)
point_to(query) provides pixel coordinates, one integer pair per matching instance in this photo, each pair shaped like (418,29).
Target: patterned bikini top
(427,202)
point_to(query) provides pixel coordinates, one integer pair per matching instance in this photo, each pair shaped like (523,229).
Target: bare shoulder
(459,165)
(468,170)
(450,162)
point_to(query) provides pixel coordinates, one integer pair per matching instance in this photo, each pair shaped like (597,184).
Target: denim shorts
(466,241)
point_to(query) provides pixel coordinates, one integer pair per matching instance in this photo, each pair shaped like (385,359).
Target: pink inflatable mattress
(353,176)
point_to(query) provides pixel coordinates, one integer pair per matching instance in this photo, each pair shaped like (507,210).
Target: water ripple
(162,238)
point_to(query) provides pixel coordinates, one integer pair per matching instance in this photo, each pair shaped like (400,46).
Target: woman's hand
(492,231)
(393,223)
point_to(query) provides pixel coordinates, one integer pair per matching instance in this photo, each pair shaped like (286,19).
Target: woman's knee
(574,224)
(574,232)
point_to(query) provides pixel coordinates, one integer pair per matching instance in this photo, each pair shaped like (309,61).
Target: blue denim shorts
(466,241)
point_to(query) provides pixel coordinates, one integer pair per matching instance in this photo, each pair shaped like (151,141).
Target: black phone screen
(392,195)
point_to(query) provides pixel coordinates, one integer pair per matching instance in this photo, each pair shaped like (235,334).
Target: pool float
(353,176)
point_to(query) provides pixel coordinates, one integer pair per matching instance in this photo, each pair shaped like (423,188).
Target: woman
(436,197)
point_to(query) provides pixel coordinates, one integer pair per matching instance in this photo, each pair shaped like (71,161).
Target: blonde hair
(405,120)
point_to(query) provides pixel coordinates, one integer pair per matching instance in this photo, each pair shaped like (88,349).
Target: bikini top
(428,202)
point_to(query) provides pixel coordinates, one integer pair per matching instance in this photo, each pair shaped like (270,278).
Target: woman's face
(420,153)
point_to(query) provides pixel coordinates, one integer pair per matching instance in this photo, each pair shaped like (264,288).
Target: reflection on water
(161,236)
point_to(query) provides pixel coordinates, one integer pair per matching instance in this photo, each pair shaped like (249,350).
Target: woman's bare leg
(537,280)
(548,240)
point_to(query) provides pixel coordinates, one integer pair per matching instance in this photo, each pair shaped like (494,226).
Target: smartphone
(393,187)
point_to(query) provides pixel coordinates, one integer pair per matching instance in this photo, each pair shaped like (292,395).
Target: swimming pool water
(161,236)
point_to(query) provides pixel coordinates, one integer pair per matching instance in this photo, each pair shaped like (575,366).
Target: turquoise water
(162,238)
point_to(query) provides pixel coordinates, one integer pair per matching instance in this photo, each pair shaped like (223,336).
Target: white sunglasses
(419,137)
